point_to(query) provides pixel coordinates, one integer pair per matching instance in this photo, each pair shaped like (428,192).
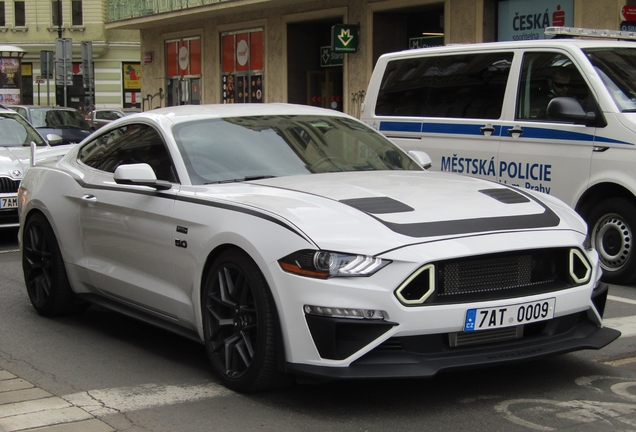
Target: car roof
(514,45)
(45,107)
(182,113)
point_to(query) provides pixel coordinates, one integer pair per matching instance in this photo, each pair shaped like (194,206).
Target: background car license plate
(509,315)
(10,202)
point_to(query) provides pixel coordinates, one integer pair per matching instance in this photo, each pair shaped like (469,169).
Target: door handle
(89,198)
(487,130)
(515,130)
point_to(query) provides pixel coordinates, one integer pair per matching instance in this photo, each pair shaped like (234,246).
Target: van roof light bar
(561,32)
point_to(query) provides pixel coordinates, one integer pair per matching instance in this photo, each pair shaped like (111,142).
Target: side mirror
(569,109)
(140,174)
(423,159)
(54,139)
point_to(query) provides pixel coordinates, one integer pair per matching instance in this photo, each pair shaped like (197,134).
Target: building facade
(315,53)
(34,26)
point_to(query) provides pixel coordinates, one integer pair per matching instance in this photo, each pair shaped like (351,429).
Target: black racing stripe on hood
(377,205)
(472,226)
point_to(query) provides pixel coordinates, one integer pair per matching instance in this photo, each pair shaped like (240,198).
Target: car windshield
(55,118)
(246,148)
(15,131)
(617,69)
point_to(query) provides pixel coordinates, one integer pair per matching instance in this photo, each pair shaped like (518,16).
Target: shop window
(183,71)
(242,67)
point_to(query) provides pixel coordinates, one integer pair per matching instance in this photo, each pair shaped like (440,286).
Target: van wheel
(612,224)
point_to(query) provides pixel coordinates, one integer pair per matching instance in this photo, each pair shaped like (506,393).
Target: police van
(555,115)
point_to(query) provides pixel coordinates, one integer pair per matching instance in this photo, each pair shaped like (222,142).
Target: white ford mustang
(293,240)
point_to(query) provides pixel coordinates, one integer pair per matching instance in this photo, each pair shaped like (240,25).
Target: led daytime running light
(334,312)
(576,257)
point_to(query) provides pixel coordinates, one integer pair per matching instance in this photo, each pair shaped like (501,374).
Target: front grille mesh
(496,273)
(8,185)
(490,277)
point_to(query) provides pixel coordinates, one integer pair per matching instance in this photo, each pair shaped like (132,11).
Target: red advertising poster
(195,57)
(171,59)
(227,48)
(256,50)
(242,52)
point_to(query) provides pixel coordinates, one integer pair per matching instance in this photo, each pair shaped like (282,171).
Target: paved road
(99,372)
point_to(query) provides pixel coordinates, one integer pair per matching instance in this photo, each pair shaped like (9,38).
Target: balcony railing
(125,9)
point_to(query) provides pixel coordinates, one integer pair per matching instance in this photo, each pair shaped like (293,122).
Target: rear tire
(44,273)
(240,324)
(612,225)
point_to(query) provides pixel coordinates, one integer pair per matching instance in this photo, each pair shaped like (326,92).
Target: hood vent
(506,196)
(377,205)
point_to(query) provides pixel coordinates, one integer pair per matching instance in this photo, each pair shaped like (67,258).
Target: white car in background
(292,240)
(16,136)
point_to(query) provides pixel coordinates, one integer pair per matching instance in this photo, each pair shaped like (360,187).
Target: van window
(544,76)
(456,86)
(617,69)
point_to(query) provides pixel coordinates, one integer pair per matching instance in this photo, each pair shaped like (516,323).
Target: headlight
(325,264)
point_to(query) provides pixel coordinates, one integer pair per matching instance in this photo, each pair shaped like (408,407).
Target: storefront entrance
(324,88)
(311,80)
(183,91)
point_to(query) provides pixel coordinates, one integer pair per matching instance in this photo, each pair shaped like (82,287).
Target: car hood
(14,161)
(390,208)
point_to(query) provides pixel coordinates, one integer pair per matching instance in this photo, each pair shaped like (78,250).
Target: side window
(544,76)
(129,144)
(455,86)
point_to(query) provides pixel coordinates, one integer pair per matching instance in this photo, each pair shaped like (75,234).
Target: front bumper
(425,356)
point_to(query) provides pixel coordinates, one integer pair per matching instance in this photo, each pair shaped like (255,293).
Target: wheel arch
(212,256)
(600,192)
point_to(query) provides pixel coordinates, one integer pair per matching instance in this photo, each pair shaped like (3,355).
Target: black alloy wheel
(240,325)
(44,273)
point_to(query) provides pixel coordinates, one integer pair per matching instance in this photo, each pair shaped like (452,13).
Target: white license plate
(11,202)
(509,315)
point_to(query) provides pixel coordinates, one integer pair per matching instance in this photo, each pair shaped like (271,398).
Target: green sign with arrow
(344,38)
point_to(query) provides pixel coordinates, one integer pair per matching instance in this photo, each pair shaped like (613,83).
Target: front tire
(44,273)
(240,324)
(612,225)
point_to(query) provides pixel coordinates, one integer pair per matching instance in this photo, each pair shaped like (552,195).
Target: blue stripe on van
(400,127)
(472,129)
(556,134)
